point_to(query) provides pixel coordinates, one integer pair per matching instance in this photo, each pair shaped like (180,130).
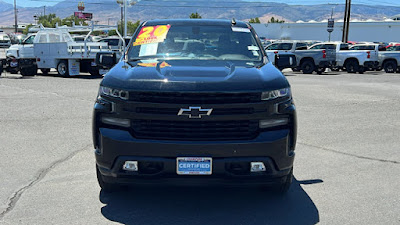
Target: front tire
(352,66)
(106,187)
(28,71)
(62,68)
(94,71)
(308,67)
(284,187)
(390,67)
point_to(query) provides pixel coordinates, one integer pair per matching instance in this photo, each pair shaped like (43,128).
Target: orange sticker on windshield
(152,34)
(162,65)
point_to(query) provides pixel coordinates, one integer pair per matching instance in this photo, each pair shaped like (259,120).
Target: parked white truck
(306,60)
(351,60)
(389,61)
(55,48)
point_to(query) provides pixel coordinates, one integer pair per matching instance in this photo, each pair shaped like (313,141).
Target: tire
(106,187)
(390,66)
(45,71)
(28,71)
(62,68)
(94,71)
(352,66)
(284,187)
(320,70)
(308,66)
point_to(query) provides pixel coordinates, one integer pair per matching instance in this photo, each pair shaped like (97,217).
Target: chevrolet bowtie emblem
(194,112)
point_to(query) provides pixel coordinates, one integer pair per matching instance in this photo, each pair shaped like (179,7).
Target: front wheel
(308,67)
(352,66)
(283,188)
(107,187)
(390,67)
(28,71)
(94,71)
(62,68)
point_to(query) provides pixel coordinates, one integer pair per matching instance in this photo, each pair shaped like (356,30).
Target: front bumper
(157,159)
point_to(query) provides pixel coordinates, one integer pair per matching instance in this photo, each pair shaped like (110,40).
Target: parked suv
(194,101)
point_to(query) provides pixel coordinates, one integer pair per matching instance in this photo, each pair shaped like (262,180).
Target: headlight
(269,95)
(116,93)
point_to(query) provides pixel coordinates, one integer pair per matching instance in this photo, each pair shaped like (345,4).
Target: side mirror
(285,61)
(106,59)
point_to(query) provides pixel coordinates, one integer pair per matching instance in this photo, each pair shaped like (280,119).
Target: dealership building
(385,31)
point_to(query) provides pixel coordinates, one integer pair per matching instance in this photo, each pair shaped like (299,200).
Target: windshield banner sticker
(240,29)
(152,34)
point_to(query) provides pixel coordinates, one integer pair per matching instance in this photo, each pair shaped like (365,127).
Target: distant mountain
(4,6)
(106,11)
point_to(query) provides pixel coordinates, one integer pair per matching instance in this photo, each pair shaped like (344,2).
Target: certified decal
(152,34)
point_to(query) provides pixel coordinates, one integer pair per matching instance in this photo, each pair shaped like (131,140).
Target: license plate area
(194,165)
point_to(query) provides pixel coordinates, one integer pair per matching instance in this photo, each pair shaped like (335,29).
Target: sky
(37,3)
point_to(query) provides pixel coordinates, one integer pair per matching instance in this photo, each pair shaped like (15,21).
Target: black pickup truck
(194,102)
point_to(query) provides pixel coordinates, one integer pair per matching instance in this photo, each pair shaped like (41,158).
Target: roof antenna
(233,21)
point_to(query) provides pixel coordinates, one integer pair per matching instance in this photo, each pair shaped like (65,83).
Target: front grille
(194,98)
(195,130)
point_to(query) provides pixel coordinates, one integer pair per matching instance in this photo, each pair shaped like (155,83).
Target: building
(385,31)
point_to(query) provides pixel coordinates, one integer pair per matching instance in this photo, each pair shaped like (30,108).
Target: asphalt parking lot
(346,169)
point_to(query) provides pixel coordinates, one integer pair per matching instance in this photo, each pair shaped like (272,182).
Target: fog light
(130,166)
(116,121)
(273,122)
(257,167)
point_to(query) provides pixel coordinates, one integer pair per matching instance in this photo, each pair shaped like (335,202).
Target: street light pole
(15,15)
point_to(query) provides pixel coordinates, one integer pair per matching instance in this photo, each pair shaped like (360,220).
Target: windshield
(280,46)
(195,42)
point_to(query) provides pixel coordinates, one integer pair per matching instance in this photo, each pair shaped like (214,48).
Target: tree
(51,20)
(68,21)
(273,20)
(195,16)
(26,30)
(254,20)
(131,28)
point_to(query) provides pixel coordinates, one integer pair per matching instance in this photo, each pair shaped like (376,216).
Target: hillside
(109,10)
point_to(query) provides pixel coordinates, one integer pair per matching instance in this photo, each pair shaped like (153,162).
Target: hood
(194,76)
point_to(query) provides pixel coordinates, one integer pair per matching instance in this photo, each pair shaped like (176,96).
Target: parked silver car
(5,40)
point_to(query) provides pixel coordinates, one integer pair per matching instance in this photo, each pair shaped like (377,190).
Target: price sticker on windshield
(152,34)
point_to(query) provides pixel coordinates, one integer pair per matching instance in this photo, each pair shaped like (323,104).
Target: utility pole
(15,15)
(346,22)
(122,19)
(125,20)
